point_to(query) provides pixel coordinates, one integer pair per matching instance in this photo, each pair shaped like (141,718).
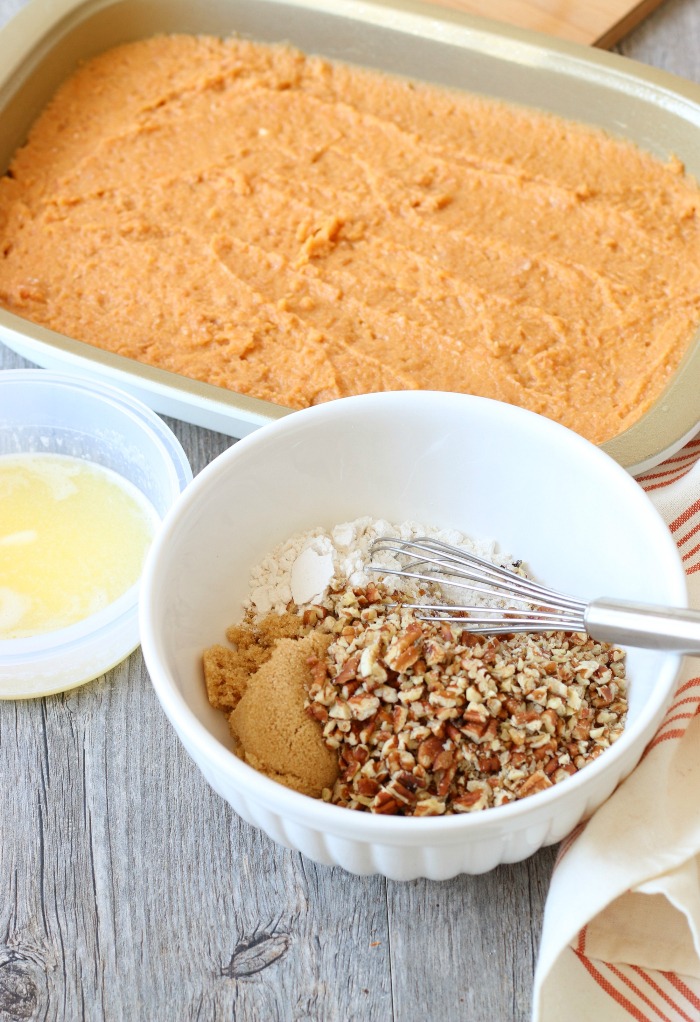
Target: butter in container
(653,111)
(98,455)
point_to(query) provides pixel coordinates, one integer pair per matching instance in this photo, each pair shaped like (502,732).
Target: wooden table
(130,891)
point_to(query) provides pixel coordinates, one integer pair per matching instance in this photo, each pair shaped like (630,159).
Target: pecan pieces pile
(429,719)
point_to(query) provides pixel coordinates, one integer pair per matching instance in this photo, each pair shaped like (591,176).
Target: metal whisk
(523,605)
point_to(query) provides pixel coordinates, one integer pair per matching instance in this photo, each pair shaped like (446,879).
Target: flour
(302,568)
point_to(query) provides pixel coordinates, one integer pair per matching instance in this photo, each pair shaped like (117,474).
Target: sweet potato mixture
(297,231)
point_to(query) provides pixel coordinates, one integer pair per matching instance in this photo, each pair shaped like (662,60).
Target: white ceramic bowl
(56,413)
(490,470)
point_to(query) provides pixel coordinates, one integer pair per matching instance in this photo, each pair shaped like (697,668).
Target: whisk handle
(644,625)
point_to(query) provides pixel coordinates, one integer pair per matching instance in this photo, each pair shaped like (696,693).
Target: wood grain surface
(130,891)
(591,22)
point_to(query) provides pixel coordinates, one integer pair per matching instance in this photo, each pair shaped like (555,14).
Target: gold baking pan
(659,112)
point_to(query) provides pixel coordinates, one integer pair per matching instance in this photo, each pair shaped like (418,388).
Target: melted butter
(73,538)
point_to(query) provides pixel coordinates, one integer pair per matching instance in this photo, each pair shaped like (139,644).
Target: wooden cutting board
(593,22)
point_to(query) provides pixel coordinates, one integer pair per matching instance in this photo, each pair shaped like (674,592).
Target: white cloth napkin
(621,932)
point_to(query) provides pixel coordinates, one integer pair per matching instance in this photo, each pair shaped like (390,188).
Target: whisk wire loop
(518,604)
(521,602)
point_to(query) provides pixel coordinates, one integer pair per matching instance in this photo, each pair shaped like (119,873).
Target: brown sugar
(225,676)
(226,671)
(262,686)
(271,726)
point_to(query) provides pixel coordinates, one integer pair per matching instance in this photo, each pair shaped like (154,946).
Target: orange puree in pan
(298,231)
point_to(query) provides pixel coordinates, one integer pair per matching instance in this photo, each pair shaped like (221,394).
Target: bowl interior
(492,471)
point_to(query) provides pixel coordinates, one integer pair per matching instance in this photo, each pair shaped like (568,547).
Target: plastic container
(49,412)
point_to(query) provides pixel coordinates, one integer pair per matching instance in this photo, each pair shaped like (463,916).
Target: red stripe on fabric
(682,988)
(633,986)
(690,553)
(676,733)
(662,993)
(693,569)
(688,460)
(682,702)
(677,716)
(612,991)
(690,683)
(662,736)
(684,539)
(665,482)
(581,941)
(658,475)
(685,516)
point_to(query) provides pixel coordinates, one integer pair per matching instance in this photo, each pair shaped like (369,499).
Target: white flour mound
(303,567)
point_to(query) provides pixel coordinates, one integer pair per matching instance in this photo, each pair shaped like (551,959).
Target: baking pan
(659,112)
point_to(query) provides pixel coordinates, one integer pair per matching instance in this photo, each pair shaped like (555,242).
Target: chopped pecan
(362,705)
(385,803)
(405,649)
(428,751)
(367,786)
(313,615)
(470,800)
(348,672)
(430,807)
(318,670)
(318,711)
(537,781)
(431,720)
(401,791)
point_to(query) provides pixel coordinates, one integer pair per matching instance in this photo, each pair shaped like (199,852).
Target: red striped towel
(621,932)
